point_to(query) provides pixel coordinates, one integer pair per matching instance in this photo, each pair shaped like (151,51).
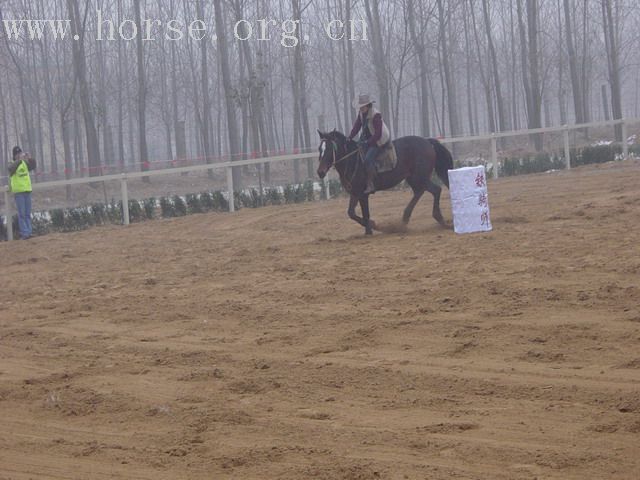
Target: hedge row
(543,162)
(81,218)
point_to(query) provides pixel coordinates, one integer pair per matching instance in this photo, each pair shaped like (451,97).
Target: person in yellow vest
(20,185)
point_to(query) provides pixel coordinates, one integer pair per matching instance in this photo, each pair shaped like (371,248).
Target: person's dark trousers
(23,203)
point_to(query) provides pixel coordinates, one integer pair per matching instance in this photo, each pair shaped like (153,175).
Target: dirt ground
(282,343)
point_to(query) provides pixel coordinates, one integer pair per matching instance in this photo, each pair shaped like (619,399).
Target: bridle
(343,158)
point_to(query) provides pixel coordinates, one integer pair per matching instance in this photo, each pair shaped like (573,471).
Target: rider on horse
(375,135)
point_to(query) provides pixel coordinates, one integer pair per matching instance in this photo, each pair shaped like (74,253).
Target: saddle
(387,158)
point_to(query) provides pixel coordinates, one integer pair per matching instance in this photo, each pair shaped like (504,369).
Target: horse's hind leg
(435,191)
(418,191)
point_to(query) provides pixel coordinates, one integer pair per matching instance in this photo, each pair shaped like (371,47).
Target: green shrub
(75,220)
(135,211)
(254,198)
(309,192)
(598,154)
(166,207)
(335,187)
(289,194)
(241,199)
(99,212)
(114,212)
(540,162)
(273,196)
(40,225)
(193,203)
(149,206)
(220,203)
(300,193)
(57,219)
(180,207)
(207,202)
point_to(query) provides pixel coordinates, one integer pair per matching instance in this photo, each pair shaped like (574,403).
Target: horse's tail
(444,161)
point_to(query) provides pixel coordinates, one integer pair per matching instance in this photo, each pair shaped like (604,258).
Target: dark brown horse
(417,158)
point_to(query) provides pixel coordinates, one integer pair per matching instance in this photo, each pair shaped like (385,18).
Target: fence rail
(230,165)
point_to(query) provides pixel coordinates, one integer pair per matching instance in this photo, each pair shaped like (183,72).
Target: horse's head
(332,148)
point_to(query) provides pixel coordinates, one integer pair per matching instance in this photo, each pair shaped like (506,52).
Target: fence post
(567,148)
(494,155)
(125,200)
(232,206)
(625,145)
(8,215)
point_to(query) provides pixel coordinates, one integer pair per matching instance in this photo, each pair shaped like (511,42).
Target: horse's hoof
(373,225)
(368,232)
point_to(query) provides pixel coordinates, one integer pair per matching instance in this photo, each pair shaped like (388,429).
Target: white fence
(123,178)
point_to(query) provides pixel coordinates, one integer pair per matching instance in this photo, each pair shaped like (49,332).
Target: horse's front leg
(367,222)
(353,201)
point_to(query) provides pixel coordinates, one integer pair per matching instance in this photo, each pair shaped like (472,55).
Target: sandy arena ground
(280,343)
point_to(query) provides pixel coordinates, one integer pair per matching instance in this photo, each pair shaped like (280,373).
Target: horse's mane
(337,136)
(341,137)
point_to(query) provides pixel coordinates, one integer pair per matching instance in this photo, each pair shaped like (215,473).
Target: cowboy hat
(362,101)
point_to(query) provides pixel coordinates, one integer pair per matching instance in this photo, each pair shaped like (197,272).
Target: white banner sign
(469,200)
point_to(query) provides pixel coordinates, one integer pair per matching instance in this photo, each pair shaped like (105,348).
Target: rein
(335,162)
(348,182)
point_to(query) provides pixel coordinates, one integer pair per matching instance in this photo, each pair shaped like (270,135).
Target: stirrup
(371,188)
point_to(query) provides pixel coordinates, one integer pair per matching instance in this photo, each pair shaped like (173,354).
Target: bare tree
(223,56)
(418,40)
(142,93)
(502,117)
(443,42)
(610,28)
(576,86)
(378,55)
(78,29)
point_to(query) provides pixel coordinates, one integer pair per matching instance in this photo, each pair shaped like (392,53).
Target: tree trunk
(486,78)
(301,99)
(121,154)
(611,43)
(223,56)
(48,85)
(349,82)
(80,68)
(379,62)
(421,51)
(573,65)
(471,98)
(514,64)
(4,134)
(502,118)
(585,68)
(103,115)
(452,100)
(142,95)
(206,104)
(605,103)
